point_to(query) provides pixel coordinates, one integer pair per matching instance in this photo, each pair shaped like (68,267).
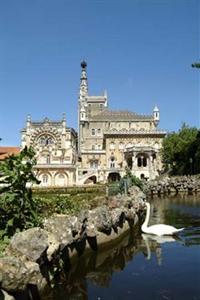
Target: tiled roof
(109,115)
(7,151)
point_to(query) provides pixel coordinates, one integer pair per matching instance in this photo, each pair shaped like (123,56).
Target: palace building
(107,142)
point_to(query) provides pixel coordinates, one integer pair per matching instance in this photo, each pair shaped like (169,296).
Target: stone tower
(82,102)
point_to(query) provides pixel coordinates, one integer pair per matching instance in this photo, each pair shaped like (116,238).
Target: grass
(49,203)
(61,203)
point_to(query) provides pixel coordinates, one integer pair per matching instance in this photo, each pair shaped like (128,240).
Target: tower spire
(84,83)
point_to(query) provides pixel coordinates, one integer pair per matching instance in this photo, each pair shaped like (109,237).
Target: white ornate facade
(56,151)
(107,142)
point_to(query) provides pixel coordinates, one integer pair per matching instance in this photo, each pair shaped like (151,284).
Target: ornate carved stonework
(108,141)
(128,139)
(56,151)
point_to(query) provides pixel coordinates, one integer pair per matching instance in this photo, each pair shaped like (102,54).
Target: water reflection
(122,270)
(153,242)
(97,268)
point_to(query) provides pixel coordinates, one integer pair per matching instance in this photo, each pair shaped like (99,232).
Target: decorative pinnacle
(83,64)
(64,116)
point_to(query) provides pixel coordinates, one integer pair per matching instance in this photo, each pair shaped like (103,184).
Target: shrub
(17,207)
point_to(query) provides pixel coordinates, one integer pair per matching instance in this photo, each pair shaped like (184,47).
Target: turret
(156,115)
(28,124)
(64,124)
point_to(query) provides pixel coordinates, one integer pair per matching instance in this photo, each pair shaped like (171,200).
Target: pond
(142,267)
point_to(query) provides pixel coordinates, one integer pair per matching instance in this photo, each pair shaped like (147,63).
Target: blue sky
(140,51)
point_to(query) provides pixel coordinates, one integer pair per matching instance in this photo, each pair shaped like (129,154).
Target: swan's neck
(146,221)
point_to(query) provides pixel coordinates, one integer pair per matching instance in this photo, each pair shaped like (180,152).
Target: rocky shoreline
(35,256)
(174,185)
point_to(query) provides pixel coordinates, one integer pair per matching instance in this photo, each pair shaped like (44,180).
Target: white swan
(159,229)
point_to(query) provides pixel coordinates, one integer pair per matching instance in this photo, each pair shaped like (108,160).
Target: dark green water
(141,267)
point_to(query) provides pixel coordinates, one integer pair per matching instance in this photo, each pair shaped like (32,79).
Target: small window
(99,147)
(93,131)
(112,162)
(94,164)
(112,146)
(99,131)
(139,162)
(101,106)
(144,161)
(46,140)
(93,147)
(121,146)
(48,159)
(45,178)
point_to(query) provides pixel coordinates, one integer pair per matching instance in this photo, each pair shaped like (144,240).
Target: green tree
(178,156)
(17,207)
(194,154)
(196,65)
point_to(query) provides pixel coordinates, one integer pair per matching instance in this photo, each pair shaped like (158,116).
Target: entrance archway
(91,180)
(113,176)
(61,179)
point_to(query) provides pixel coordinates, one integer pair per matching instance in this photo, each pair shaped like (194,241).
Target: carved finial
(64,116)
(155,108)
(83,64)
(156,115)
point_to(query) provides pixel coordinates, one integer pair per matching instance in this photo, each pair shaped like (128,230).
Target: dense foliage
(18,209)
(124,183)
(196,65)
(181,151)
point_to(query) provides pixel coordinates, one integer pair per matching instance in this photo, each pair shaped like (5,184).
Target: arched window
(144,161)
(112,146)
(94,164)
(46,140)
(60,180)
(99,131)
(112,162)
(45,178)
(139,161)
(48,159)
(93,131)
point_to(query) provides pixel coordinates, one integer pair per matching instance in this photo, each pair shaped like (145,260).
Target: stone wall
(35,256)
(175,184)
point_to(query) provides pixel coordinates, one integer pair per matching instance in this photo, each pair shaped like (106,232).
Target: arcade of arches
(57,179)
